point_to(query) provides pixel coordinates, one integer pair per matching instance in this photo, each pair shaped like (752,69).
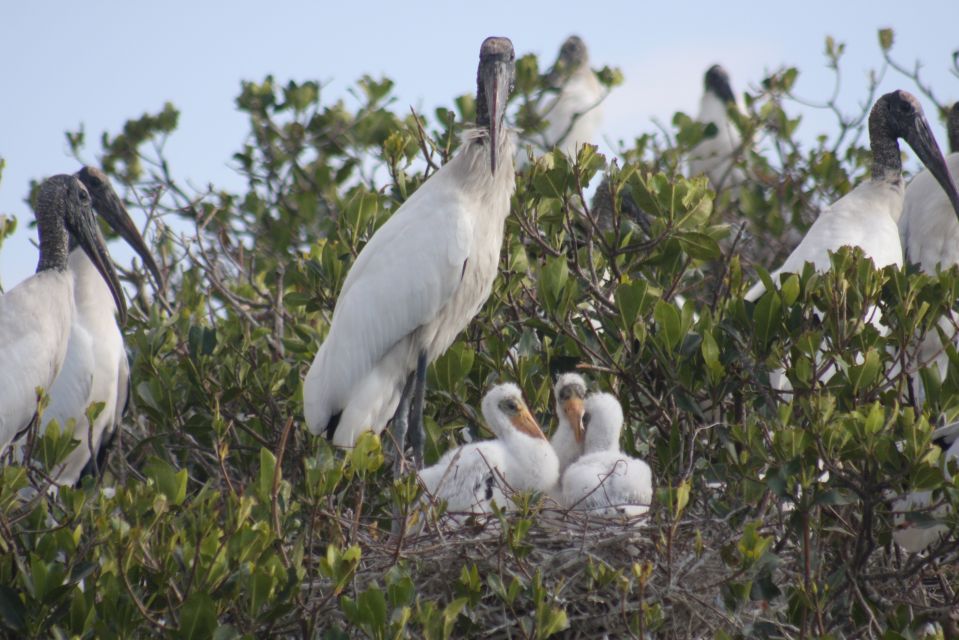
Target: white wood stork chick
(605,480)
(471,477)
(569,393)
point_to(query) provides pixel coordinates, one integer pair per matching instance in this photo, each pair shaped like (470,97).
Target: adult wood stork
(867,217)
(715,157)
(471,477)
(914,537)
(574,115)
(605,480)
(36,316)
(96,368)
(930,235)
(569,392)
(419,280)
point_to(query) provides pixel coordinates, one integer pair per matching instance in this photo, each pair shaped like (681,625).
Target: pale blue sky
(99,63)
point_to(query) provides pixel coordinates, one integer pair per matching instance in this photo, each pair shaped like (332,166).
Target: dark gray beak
(497,82)
(82,225)
(920,138)
(107,203)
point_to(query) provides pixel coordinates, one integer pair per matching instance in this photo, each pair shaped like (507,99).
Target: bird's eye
(84,195)
(564,393)
(586,419)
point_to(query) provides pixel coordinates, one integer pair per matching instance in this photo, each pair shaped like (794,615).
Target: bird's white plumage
(928,226)
(715,157)
(866,217)
(605,480)
(564,441)
(575,115)
(94,370)
(470,478)
(35,321)
(930,238)
(913,537)
(415,285)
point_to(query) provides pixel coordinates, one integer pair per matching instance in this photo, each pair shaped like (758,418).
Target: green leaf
(169,482)
(197,617)
(699,246)
(766,318)
(668,324)
(885,39)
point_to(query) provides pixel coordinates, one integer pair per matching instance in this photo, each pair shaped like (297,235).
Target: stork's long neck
(53,241)
(886,158)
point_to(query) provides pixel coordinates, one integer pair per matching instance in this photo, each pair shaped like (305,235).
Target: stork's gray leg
(418,435)
(400,420)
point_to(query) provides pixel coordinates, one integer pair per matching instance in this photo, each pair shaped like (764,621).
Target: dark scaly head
(494,81)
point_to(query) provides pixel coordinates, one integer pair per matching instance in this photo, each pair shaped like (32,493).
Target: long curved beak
(574,410)
(107,203)
(922,141)
(524,422)
(84,228)
(496,85)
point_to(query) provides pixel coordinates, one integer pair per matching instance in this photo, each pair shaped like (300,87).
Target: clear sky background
(99,63)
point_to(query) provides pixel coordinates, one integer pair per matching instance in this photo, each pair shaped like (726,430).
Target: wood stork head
(899,115)
(952,127)
(603,422)
(506,412)
(494,82)
(716,81)
(572,56)
(570,391)
(107,203)
(64,205)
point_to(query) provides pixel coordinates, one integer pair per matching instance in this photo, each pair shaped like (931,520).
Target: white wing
(407,273)
(70,393)
(35,318)
(715,157)
(865,217)
(469,478)
(609,482)
(928,226)
(580,98)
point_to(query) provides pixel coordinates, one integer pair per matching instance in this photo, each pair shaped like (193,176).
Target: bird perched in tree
(930,236)
(419,280)
(36,316)
(574,115)
(716,156)
(96,368)
(867,217)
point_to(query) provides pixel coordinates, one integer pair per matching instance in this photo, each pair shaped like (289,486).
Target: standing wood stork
(419,280)
(867,217)
(567,441)
(605,480)
(575,114)
(715,157)
(36,316)
(473,476)
(930,235)
(913,537)
(96,368)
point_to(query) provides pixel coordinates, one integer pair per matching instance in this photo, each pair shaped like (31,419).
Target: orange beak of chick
(524,422)
(574,410)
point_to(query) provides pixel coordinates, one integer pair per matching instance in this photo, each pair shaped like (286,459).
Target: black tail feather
(332,424)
